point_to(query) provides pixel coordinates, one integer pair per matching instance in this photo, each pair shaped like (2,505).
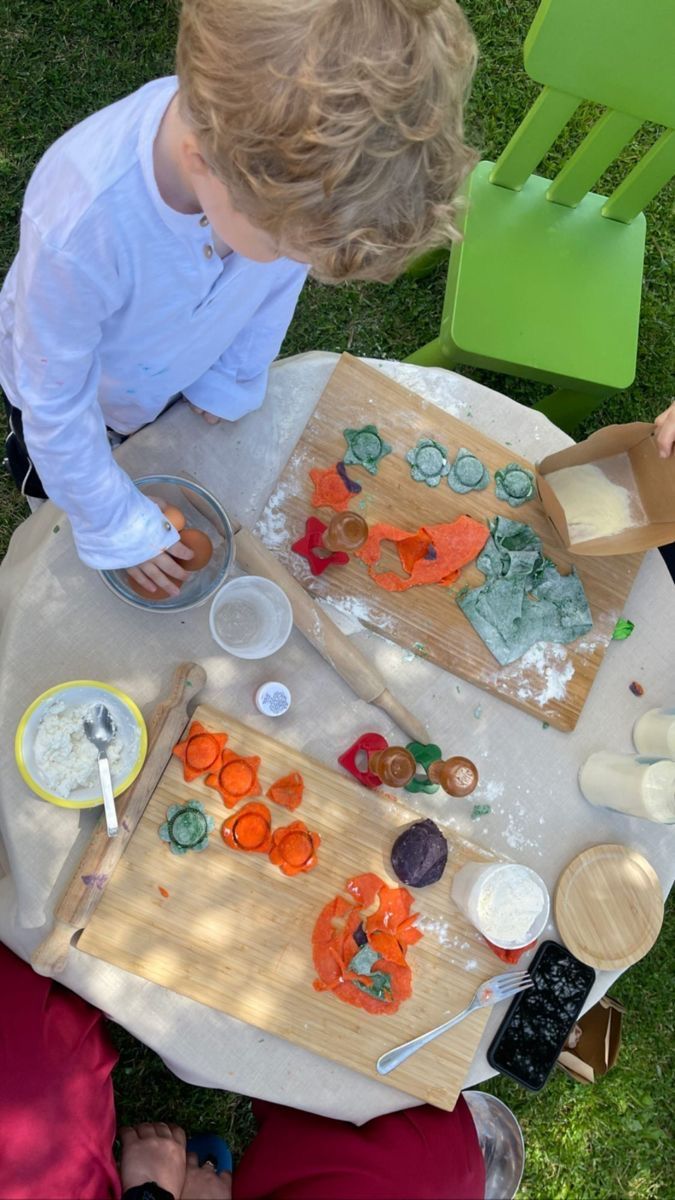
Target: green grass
(61,60)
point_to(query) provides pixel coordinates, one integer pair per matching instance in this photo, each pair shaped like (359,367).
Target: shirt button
(208,252)
(203,221)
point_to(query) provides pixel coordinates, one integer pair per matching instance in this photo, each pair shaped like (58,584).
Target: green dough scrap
(514,484)
(524,599)
(468,473)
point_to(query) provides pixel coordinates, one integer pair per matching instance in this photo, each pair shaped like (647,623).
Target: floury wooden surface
(235,934)
(552,684)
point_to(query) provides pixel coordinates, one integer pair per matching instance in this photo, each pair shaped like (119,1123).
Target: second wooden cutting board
(234,933)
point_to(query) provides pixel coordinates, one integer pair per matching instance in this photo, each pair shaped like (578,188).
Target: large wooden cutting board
(552,684)
(235,934)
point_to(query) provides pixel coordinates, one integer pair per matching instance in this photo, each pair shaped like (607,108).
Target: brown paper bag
(593,1045)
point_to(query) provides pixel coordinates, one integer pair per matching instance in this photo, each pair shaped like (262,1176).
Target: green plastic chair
(546,283)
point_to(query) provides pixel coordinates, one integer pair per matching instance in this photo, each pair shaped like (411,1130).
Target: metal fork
(500,987)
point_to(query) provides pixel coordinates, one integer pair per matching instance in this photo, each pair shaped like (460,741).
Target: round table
(59,622)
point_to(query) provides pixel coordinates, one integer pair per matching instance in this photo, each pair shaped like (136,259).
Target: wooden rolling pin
(103,853)
(333,645)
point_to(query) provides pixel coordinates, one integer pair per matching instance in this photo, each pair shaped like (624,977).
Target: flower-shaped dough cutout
(330,489)
(236,777)
(428,462)
(294,848)
(514,484)
(249,829)
(187,827)
(199,751)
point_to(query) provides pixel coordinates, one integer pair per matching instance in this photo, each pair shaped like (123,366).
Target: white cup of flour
(507,903)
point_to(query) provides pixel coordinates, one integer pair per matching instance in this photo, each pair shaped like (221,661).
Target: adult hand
(153,1152)
(210,418)
(204,1183)
(665,431)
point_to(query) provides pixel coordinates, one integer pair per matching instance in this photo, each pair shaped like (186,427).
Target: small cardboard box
(654,481)
(594,1053)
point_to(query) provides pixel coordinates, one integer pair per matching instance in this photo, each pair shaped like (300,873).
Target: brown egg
(197,541)
(175,516)
(158,594)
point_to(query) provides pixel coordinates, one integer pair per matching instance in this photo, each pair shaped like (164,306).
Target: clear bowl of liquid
(251,617)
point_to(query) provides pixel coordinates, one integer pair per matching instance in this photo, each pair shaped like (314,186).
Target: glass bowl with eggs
(203,524)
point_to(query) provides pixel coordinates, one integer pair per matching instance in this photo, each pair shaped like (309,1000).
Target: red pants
(57,1122)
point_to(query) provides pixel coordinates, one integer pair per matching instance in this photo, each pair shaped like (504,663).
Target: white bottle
(638,786)
(654,733)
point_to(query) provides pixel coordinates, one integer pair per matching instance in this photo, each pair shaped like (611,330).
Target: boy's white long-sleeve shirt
(116,302)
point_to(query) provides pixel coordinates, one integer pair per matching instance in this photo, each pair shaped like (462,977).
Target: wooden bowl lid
(608,907)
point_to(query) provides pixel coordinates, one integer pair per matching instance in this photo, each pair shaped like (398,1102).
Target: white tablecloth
(59,622)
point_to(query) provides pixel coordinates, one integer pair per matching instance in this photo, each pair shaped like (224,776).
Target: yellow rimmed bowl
(127,717)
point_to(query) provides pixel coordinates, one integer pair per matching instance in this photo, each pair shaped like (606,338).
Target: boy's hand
(665,431)
(204,1183)
(210,418)
(153,1152)
(163,570)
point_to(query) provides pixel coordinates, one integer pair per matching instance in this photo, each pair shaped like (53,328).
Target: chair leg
(568,408)
(430,355)
(426,263)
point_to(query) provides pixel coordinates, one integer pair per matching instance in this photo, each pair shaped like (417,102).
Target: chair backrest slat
(644,181)
(590,160)
(534,137)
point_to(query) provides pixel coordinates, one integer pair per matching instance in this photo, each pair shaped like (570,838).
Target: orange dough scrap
(249,829)
(455,544)
(200,751)
(389,931)
(287,791)
(330,490)
(236,777)
(294,848)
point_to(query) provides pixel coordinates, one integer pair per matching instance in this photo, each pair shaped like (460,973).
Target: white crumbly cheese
(508,904)
(65,756)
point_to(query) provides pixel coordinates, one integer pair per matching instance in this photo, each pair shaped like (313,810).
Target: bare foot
(154,1152)
(210,418)
(204,1183)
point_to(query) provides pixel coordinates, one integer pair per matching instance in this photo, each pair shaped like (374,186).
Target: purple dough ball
(419,854)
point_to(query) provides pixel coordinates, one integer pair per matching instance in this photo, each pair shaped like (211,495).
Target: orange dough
(249,829)
(330,490)
(236,777)
(334,944)
(294,848)
(200,751)
(287,791)
(455,544)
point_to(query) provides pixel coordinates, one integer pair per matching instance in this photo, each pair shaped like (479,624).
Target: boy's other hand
(153,1152)
(163,571)
(210,418)
(204,1183)
(665,431)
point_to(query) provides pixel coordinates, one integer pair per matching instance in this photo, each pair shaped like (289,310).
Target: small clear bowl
(202,511)
(261,615)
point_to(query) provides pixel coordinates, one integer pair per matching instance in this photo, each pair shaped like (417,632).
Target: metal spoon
(100,729)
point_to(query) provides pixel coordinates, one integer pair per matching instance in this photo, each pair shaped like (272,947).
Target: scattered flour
(356,612)
(65,756)
(550,671)
(271,527)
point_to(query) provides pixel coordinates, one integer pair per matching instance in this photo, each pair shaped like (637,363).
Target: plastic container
(272,699)
(654,733)
(472,888)
(251,617)
(634,785)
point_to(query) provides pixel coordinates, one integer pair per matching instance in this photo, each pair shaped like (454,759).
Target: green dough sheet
(524,599)
(514,484)
(428,462)
(468,473)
